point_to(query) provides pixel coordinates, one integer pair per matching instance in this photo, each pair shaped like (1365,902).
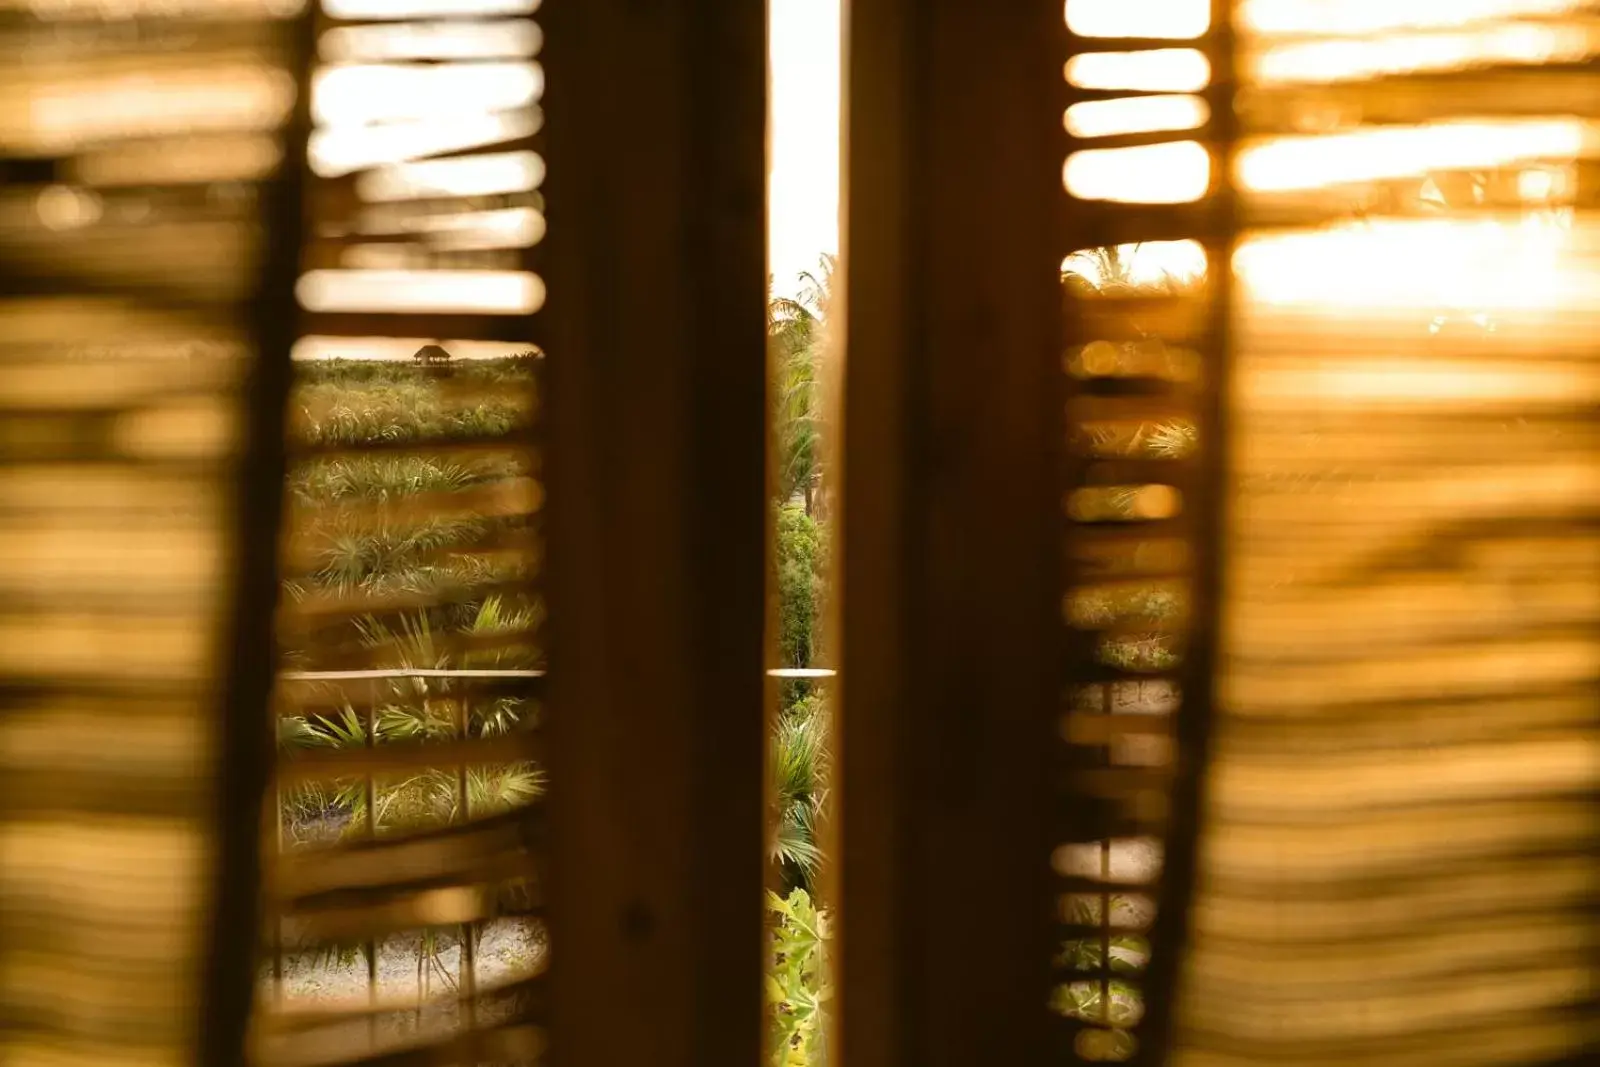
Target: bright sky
(803,189)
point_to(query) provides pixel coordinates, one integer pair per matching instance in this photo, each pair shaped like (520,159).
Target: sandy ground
(506,949)
(417,984)
(419,977)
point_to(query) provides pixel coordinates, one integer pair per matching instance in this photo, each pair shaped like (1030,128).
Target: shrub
(798,765)
(800,551)
(799,983)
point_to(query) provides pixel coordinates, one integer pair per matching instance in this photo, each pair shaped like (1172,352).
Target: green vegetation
(403,553)
(416,569)
(798,763)
(796,330)
(798,766)
(799,983)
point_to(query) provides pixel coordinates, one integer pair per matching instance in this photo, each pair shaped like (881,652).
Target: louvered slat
(144,284)
(1400,824)
(404,845)
(1142,474)
(1407,629)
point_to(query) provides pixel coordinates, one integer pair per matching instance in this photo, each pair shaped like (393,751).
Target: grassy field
(413,542)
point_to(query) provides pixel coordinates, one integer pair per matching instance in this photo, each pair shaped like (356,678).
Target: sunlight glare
(484,175)
(1403,382)
(421,9)
(1416,265)
(1326,61)
(422,292)
(805,46)
(1536,185)
(1378,16)
(515,227)
(61,207)
(364,93)
(1290,163)
(340,151)
(1147,263)
(1137,114)
(509,39)
(1174,173)
(1172,70)
(1174,19)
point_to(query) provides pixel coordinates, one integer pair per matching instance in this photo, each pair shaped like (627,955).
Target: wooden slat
(1400,804)
(657,133)
(247,739)
(950,550)
(398,758)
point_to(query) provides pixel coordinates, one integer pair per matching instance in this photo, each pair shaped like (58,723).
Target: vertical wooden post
(950,546)
(657,474)
(247,723)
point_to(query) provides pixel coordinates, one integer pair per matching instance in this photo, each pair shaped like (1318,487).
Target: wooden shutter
(1398,863)
(657,424)
(949,536)
(156,427)
(608,528)
(1149,131)
(1375,581)
(147,242)
(403,832)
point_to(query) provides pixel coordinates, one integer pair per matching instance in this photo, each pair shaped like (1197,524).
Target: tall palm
(797,331)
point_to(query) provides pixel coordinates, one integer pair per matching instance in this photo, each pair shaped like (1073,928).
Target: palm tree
(1108,271)
(797,331)
(497,635)
(798,772)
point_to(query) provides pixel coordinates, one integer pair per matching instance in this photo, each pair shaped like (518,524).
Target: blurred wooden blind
(1148,124)
(402,834)
(139,302)
(1401,852)
(419,869)
(1394,853)
(374,888)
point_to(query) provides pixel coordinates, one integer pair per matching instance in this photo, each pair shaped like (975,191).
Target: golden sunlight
(1350,59)
(1484,266)
(1171,70)
(1475,269)
(1101,118)
(369,93)
(486,292)
(1174,173)
(1405,151)
(379,43)
(415,9)
(338,151)
(481,175)
(1351,17)
(1145,264)
(1174,19)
